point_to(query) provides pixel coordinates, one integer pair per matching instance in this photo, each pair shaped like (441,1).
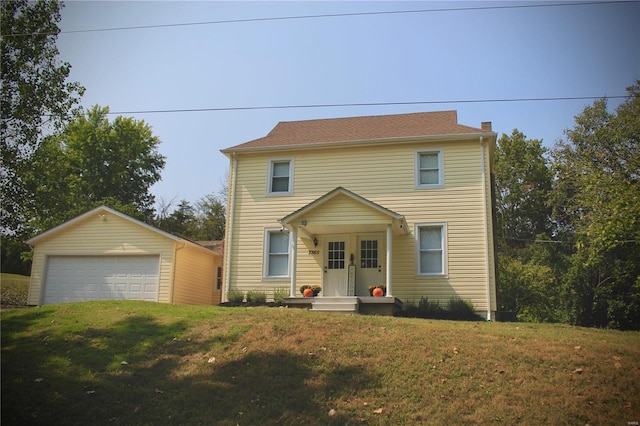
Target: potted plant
(306,291)
(377,290)
(310,290)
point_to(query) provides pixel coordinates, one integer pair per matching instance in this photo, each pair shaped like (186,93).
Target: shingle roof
(361,129)
(216,246)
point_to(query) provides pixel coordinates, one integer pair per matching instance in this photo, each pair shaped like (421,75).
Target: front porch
(346,244)
(367,305)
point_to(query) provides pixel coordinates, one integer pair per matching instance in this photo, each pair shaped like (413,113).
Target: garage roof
(100,212)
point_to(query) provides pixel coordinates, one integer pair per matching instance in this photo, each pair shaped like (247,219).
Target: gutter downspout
(229,230)
(486,231)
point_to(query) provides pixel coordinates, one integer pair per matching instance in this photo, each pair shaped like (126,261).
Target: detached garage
(104,254)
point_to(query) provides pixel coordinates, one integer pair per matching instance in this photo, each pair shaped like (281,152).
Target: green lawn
(124,362)
(13,289)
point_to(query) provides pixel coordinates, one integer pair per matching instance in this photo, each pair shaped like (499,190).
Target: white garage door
(80,278)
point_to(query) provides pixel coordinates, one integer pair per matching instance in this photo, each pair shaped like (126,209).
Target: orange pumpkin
(377,292)
(307,292)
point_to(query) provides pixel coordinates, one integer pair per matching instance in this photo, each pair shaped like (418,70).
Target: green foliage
(529,289)
(11,256)
(210,217)
(457,309)
(95,161)
(14,290)
(235,296)
(36,99)
(279,294)
(597,199)
(523,183)
(256,297)
(204,221)
(460,308)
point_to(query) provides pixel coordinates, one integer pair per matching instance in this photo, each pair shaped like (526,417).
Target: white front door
(370,262)
(336,249)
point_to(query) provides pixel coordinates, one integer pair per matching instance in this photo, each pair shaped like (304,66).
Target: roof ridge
(355,117)
(345,130)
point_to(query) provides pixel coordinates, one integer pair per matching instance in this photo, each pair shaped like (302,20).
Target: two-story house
(403,201)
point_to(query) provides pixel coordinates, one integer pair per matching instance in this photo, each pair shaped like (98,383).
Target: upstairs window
(280,177)
(429,169)
(431,249)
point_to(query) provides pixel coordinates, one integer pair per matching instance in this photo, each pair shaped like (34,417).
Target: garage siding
(98,235)
(195,280)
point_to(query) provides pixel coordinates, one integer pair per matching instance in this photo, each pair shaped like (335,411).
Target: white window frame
(272,162)
(440,183)
(267,254)
(443,248)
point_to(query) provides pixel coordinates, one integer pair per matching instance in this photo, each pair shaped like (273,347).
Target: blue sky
(429,56)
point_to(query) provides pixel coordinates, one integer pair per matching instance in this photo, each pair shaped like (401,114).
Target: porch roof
(354,214)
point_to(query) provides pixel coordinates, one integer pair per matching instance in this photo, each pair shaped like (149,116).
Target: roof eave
(359,142)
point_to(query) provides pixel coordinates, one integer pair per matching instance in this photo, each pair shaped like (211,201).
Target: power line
(323,16)
(368,104)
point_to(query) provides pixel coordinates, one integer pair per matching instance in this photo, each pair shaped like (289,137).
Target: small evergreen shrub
(456,309)
(235,296)
(429,309)
(256,297)
(279,294)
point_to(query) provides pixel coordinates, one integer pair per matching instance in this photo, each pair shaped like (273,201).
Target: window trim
(443,242)
(416,172)
(273,161)
(266,254)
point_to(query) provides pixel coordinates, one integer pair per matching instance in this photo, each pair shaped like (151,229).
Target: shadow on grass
(78,377)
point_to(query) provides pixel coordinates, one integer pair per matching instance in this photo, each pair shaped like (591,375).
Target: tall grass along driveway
(123,362)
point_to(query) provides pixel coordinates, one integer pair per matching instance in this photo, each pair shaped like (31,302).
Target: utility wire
(272,107)
(323,16)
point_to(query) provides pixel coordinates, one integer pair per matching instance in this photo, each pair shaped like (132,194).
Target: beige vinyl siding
(195,276)
(383,174)
(97,236)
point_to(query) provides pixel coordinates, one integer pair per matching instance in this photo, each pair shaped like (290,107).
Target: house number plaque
(313,252)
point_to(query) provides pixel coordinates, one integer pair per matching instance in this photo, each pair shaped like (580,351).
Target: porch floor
(351,305)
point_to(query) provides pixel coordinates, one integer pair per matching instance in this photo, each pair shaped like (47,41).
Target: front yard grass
(13,290)
(124,362)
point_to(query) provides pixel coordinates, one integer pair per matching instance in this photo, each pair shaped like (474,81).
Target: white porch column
(389,250)
(293,253)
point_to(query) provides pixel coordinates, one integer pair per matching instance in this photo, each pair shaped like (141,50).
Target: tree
(92,162)
(523,179)
(597,197)
(211,210)
(523,183)
(36,99)
(182,221)
(203,222)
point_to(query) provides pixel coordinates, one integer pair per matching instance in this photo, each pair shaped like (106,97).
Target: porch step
(345,305)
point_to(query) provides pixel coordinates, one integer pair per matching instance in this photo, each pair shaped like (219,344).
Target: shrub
(235,296)
(457,309)
(279,294)
(256,296)
(429,309)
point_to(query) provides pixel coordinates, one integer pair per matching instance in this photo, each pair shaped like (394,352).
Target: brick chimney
(486,126)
